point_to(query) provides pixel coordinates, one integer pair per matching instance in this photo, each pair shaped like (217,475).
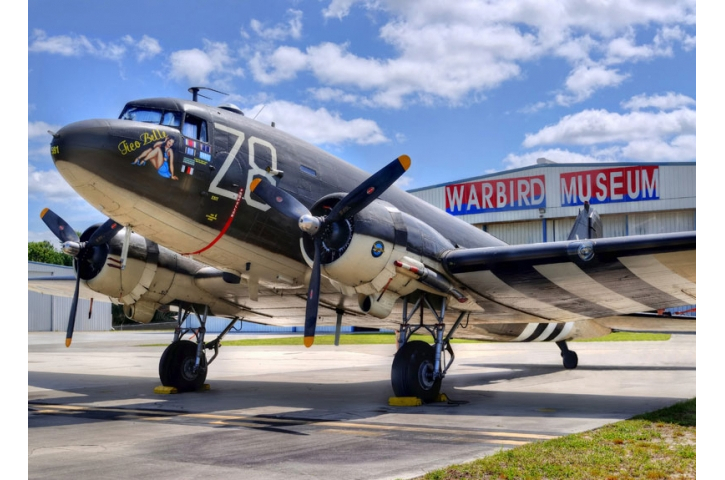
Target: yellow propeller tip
(309,341)
(42,214)
(67,342)
(254,183)
(404,161)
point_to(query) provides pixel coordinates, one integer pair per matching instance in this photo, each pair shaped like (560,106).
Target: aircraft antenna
(195,93)
(260,111)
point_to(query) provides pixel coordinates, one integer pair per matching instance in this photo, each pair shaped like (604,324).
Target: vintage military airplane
(218,214)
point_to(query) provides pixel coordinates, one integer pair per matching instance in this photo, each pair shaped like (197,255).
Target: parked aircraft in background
(218,214)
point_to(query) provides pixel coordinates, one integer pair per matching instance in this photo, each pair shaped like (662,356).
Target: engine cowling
(360,251)
(153,276)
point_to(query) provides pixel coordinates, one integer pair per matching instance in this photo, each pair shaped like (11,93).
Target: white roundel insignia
(586,251)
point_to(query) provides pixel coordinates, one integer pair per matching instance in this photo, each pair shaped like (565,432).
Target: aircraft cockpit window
(152,115)
(172,119)
(195,128)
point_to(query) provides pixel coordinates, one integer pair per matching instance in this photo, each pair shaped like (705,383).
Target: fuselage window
(308,170)
(195,128)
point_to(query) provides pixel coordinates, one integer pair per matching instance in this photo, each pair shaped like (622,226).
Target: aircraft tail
(587,224)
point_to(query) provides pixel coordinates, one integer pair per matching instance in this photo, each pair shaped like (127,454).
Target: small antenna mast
(195,93)
(260,111)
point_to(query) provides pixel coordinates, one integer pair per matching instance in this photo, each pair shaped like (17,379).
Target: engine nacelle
(153,276)
(360,251)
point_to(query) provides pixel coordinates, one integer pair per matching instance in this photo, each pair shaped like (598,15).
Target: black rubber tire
(165,365)
(412,372)
(175,367)
(571,360)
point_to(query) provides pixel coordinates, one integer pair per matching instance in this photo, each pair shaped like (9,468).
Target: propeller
(83,252)
(359,198)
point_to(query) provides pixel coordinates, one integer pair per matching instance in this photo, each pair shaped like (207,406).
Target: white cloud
(624,49)
(338,8)
(282,64)
(292,29)
(598,126)
(147,47)
(48,184)
(75,46)
(583,81)
(39,130)
(454,51)
(199,66)
(668,101)
(556,155)
(320,126)
(681,148)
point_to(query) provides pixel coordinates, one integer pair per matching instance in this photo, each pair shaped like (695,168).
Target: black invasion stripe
(539,330)
(618,278)
(531,283)
(557,330)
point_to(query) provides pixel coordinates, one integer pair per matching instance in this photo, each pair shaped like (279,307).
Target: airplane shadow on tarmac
(349,400)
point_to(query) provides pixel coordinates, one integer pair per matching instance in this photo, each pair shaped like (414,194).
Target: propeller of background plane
(81,251)
(359,198)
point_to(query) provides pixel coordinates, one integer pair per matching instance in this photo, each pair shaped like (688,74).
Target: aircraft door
(197,147)
(244,158)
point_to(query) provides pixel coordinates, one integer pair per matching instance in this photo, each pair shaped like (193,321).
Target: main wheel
(571,359)
(165,365)
(412,372)
(176,368)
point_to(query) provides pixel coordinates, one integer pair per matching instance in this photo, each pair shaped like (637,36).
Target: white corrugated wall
(48,313)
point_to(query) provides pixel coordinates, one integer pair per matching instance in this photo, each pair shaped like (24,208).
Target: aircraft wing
(604,280)
(63,286)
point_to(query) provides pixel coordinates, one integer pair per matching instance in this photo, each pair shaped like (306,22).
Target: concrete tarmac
(322,413)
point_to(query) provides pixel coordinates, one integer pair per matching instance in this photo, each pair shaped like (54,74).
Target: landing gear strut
(183,364)
(418,368)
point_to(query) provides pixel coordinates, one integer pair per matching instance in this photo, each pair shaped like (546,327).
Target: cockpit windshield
(152,115)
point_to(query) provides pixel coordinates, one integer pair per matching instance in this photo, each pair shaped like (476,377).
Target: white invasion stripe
(493,287)
(528,331)
(564,332)
(573,279)
(652,271)
(547,331)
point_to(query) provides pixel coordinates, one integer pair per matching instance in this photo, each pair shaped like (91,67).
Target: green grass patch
(630,337)
(656,445)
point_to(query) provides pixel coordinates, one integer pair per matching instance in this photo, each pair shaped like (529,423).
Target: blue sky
(465,88)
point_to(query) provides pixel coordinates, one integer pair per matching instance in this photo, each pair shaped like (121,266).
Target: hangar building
(539,203)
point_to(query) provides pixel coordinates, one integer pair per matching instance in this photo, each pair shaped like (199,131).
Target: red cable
(224,229)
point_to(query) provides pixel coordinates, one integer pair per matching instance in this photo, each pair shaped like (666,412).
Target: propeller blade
(364,194)
(58,226)
(313,297)
(72,318)
(104,233)
(278,199)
